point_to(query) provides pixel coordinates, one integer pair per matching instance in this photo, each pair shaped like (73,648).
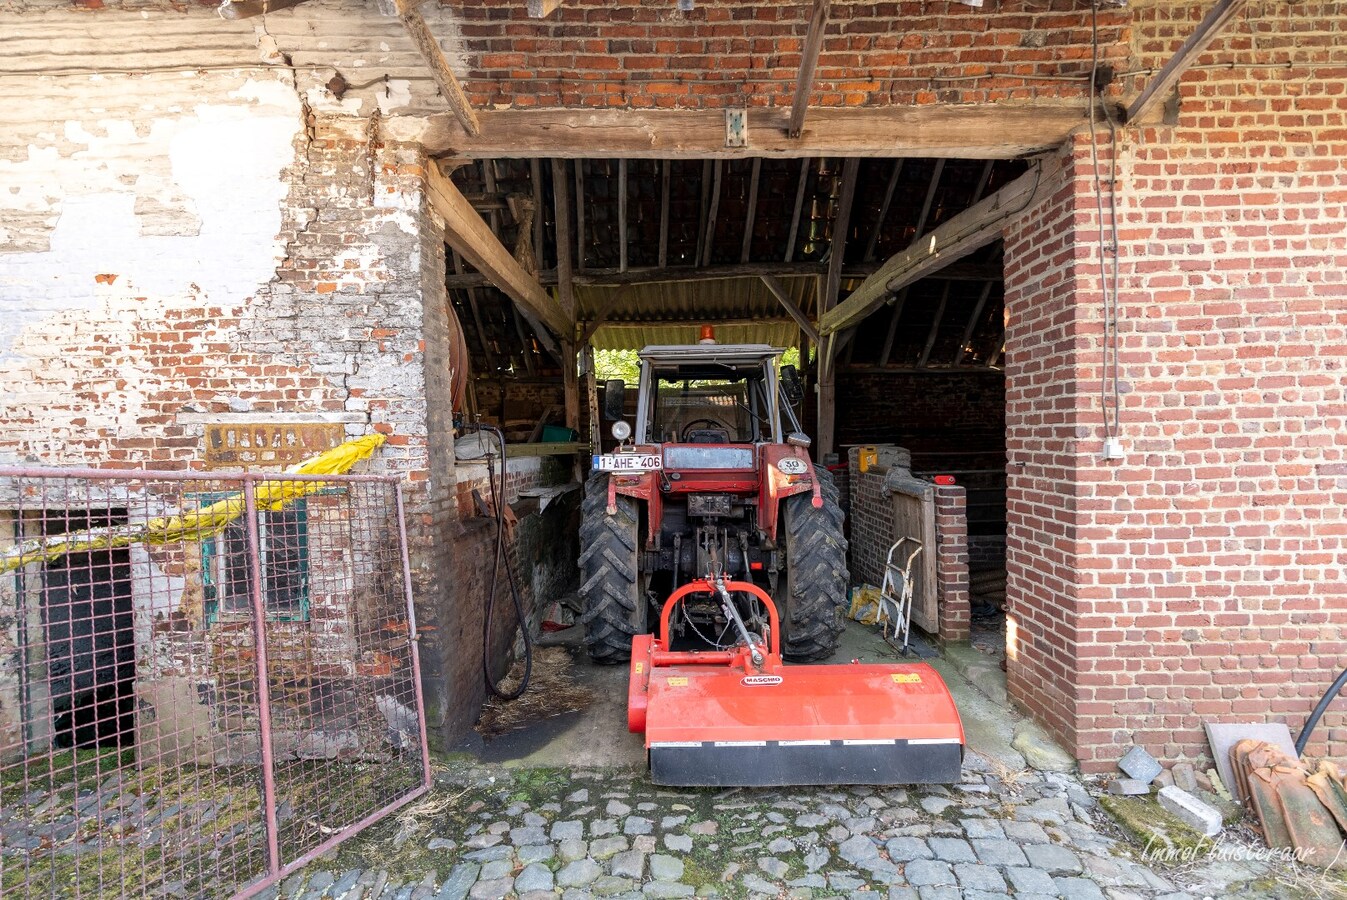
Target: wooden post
(570,377)
(561,194)
(592,389)
(439,67)
(804,84)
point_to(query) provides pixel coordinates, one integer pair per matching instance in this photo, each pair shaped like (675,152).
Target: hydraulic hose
(1313,720)
(498,501)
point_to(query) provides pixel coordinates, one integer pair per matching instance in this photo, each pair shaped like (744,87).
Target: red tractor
(711,483)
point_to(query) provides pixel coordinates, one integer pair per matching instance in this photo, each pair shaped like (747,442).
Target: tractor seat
(708,436)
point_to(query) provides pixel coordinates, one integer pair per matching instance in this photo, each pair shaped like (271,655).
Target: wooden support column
(466,232)
(804,84)
(592,393)
(444,76)
(570,379)
(827,368)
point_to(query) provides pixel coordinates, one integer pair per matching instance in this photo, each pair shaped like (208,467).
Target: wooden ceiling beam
(804,83)
(975,227)
(444,77)
(470,235)
(841,227)
(785,299)
(1213,23)
(799,205)
(972,325)
(958,271)
(990,131)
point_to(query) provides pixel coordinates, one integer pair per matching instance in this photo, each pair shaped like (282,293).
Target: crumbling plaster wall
(222,245)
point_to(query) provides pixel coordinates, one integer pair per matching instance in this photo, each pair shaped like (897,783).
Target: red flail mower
(739,716)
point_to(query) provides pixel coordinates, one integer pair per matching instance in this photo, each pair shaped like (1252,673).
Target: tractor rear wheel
(813,590)
(609,583)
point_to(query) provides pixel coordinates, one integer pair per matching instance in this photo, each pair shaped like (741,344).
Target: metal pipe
(413,636)
(1313,720)
(263,687)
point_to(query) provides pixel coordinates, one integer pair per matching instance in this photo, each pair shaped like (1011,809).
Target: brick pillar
(951,561)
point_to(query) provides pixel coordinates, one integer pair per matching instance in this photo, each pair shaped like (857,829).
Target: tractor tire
(609,584)
(816,578)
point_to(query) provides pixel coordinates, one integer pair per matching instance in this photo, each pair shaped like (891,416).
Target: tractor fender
(786,471)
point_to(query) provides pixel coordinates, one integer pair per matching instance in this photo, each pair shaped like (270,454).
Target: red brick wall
(1201,579)
(951,562)
(593,53)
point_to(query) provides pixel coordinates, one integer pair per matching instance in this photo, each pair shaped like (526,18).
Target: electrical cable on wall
(498,502)
(1110,398)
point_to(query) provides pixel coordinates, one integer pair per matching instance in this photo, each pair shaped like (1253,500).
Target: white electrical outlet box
(1113,449)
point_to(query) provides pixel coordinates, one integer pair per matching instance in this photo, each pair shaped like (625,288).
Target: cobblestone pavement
(488,834)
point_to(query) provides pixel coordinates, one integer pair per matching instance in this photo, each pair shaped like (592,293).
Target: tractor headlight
(621,430)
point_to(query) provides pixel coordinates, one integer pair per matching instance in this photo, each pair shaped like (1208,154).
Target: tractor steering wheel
(690,427)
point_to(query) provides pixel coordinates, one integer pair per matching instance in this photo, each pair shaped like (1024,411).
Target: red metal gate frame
(249,480)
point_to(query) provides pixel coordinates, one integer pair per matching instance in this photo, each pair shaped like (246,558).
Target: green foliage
(625,365)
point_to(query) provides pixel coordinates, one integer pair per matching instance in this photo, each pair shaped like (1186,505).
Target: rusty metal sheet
(268,444)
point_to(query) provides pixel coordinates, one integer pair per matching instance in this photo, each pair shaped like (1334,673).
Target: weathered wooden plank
(804,83)
(665,166)
(988,131)
(471,236)
(785,299)
(622,214)
(444,77)
(1210,28)
(561,210)
(971,229)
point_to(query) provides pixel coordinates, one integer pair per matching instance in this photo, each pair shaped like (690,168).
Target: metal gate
(205,681)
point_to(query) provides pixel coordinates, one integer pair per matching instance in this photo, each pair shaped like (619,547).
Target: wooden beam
(841,226)
(799,205)
(898,303)
(973,323)
(1211,26)
(433,56)
(570,379)
(930,199)
(785,299)
(476,314)
(561,211)
(665,165)
(717,168)
(247,9)
(541,9)
(935,328)
(691,323)
(958,271)
(536,182)
(524,344)
(970,230)
(466,232)
(580,215)
(804,83)
(752,212)
(883,210)
(989,131)
(606,309)
(622,214)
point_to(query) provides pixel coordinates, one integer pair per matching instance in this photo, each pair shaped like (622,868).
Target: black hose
(498,501)
(1313,720)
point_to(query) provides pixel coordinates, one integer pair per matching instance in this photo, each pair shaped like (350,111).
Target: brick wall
(1201,579)
(951,562)
(938,417)
(590,53)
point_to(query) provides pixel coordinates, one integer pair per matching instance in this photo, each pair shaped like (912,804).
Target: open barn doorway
(630,253)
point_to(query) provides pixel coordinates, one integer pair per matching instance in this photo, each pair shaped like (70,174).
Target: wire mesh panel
(141,753)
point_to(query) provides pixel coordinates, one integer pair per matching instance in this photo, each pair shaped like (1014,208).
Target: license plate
(628,462)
